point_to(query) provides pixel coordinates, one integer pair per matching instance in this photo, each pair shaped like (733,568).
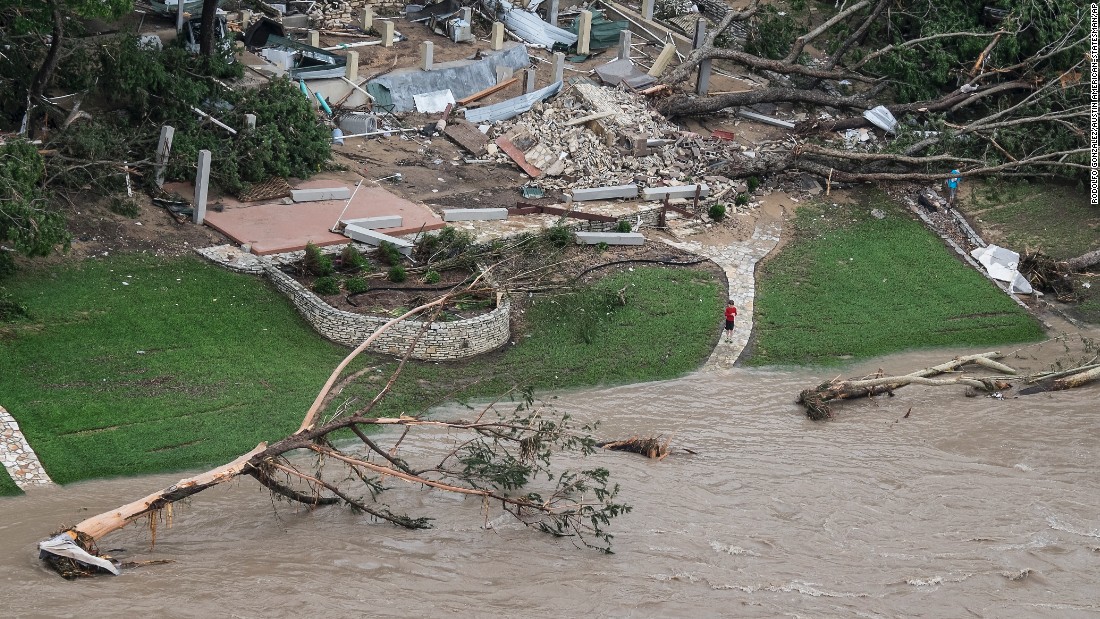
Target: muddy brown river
(971,507)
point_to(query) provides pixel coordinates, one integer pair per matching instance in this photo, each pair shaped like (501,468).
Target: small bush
(397,274)
(389,254)
(742,199)
(7,264)
(602,247)
(355,285)
(316,263)
(753,183)
(11,311)
(326,285)
(624,226)
(123,206)
(558,236)
(432,277)
(717,211)
(353,260)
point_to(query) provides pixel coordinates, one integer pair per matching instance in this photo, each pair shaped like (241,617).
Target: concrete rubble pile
(331,14)
(628,143)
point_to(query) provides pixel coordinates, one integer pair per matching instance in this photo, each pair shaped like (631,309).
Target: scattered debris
(1002,265)
(650,447)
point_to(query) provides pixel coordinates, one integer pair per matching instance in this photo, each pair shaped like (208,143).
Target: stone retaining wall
(441,340)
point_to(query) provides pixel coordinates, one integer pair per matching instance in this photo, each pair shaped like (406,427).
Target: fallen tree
(509,459)
(1000,96)
(816,399)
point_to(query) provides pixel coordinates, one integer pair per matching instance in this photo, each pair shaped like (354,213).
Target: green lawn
(667,328)
(136,364)
(851,286)
(1056,219)
(7,486)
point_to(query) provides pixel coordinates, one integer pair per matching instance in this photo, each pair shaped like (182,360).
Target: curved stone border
(440,340)
(738,260)
(17,456)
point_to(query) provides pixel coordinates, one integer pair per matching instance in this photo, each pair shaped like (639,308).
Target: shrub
(317,263)
(389,254)
(624,226)
(717,211)
(742,199)
(432,277)
(448,243)
(558,236)
(123,206)
(397,274)
(11,311)
(602,247)
(326,285)
(753,183)
(353,260)
(355,285)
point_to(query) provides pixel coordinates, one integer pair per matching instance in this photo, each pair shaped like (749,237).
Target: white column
(202,186)
(164,149)
(584,33)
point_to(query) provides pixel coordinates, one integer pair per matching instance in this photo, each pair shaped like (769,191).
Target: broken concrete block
(373,223)
(682,191)
(474,214)
(370,237)
(316,195)
(605,193)
(611,238)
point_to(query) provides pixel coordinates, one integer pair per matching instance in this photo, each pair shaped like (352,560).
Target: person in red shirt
(731,315)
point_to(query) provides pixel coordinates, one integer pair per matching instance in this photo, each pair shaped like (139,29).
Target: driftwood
(815,400)
(650,447)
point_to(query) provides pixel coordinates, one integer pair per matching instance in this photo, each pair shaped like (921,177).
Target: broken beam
(488,91)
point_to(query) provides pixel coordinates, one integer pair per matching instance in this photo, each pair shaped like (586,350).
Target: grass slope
(7,486)
(849,285)
(135,364)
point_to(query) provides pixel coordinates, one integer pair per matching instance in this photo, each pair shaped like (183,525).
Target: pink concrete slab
(272,228)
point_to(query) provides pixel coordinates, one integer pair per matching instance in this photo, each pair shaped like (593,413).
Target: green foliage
(389,254)
(26,220)
(327,285)
(317,263)
(10,311)
(623,226)
(771,34)
(432,277)
(717,211)
(849,285)
(356,285)
(742,199)
(352,260)
(397,274)
(602,247)
(449,243)
(558,236)
(752,182)
(126,207)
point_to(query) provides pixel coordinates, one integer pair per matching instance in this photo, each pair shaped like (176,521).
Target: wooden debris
(481,94)
(650,447)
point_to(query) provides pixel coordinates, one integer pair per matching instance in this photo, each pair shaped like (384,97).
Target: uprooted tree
(506,458)
(1068,373)
(990,91)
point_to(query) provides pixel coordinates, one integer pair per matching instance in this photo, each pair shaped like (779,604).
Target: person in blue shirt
(952,187)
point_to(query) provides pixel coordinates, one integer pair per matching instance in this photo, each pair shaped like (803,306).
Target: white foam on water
(732,550)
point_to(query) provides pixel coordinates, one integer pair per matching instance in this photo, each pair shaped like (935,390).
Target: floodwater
(970,507)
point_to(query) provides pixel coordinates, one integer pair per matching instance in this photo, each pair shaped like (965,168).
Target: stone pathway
(738,260)
(17,456)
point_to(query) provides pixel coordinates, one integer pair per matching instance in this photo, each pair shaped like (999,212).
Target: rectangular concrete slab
(374,223)
(611,238)
(273,227)
(605,193)
(318,195)
(474,214)
(682,191)
(375,238)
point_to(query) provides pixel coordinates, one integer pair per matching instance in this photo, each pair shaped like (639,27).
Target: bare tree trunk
(45,72)
(1084,261)
(206,34)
